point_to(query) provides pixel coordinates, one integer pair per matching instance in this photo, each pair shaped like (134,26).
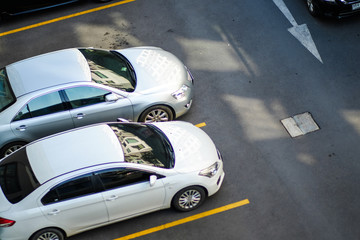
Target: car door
(129,192)
(75,204)
(42,116)
(90,105)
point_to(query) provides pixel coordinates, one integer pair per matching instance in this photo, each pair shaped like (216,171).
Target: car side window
(120,177)
(23,114)
(43,105)
(74,188)
(84,96)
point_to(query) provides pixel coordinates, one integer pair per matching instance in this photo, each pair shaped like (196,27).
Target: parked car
(334,8)
(89,177)
(70,88)
(16,7)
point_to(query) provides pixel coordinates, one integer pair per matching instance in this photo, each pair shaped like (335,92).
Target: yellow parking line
(65,17)
(185,220)
(200,125)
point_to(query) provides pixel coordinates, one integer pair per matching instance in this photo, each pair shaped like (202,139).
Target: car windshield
(17,180)
(144,144)
(110,68)
(7,96)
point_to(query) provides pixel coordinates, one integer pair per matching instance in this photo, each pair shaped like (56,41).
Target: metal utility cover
(300,124)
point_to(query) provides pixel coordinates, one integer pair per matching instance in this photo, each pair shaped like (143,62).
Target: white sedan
(89,177)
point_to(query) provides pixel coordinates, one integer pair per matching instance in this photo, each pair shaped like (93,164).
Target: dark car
(15,7)
(334,8)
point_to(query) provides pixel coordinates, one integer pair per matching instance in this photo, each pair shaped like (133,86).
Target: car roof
(73,150)
(47,70)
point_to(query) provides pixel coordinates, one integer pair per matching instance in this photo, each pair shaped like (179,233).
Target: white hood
(194,150)
(155,69)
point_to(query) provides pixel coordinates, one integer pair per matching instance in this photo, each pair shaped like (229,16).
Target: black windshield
(144,144)
(110,68)
(7,96)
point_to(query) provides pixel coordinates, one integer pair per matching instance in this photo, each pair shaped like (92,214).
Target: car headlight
(210,171)
(179,94)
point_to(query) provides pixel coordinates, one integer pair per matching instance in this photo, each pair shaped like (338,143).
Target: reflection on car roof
(47,70)
(63,153)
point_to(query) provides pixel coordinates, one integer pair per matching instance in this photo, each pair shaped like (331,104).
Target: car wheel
(10,148)
(189,198)
(157,114)
(48,234)
(313,9)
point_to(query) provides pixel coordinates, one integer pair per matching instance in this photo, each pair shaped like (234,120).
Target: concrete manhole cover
(300,124)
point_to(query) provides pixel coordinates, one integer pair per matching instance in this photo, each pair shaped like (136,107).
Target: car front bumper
(339,9)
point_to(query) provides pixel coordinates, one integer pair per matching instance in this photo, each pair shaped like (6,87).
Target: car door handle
(54,212)
(21,128)
(112,198)
(80,116)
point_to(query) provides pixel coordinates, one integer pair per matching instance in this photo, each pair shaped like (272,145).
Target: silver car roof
(47,70)
(74,150)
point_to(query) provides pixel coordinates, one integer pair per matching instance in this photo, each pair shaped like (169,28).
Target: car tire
(189,198)
(48,233)
(10,148)
(313,9)
(158,113)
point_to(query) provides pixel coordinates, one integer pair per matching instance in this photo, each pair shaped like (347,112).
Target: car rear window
(17,180)
(7,96)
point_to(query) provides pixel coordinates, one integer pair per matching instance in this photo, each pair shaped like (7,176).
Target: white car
(89,177)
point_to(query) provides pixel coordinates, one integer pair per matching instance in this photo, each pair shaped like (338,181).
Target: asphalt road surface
(250,73)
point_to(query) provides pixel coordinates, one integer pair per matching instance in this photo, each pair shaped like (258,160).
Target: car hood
(156,69)
(193,148)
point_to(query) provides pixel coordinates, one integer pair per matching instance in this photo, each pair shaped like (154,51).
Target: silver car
(70,88)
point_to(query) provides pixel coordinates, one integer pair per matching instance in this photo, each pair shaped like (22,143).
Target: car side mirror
(111,97)
(153,179)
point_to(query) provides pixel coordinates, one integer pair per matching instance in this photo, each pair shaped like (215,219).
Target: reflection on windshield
(142,145)
(6,95)
(109,69)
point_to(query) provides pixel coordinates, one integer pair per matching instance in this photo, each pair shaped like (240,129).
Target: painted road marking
(186,220)
(300,32)
(200,125)
(65,17)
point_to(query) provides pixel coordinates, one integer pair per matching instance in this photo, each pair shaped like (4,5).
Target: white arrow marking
(300,32)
